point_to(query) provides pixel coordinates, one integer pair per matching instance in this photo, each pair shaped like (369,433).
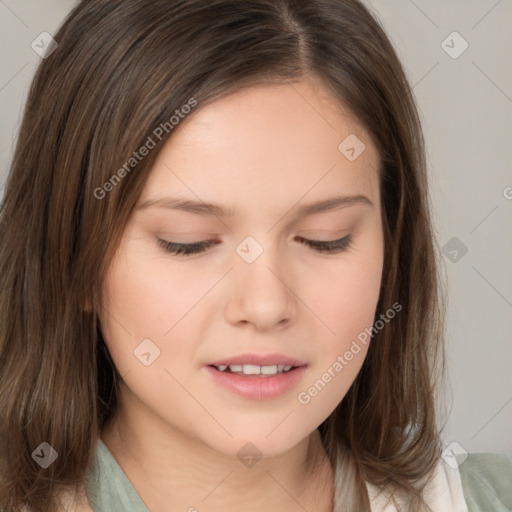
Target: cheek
(347,310)
(149,295)
(345,296)
(144,299)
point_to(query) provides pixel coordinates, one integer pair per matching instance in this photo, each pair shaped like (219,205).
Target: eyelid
(320,246)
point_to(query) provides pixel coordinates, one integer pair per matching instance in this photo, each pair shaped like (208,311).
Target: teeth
(253,369)
(268,370)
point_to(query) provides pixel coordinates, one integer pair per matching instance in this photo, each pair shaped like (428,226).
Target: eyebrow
(205,209)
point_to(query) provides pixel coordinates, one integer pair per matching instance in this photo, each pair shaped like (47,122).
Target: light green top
(108,488)
(486,482)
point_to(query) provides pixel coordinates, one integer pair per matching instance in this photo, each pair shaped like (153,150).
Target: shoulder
(486,481)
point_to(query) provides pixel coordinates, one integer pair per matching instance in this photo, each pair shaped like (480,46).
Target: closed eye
(330,247)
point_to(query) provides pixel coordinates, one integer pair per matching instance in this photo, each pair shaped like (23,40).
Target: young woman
(220,286)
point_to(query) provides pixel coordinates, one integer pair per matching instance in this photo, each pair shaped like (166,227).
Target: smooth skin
(263,152)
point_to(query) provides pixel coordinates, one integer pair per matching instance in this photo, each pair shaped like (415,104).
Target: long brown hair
(122,69)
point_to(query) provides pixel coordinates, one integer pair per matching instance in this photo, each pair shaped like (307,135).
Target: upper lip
(259,360)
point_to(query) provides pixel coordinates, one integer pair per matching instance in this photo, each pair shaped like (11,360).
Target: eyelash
(332,247)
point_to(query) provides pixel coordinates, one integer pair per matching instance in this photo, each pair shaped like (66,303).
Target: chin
(257,446)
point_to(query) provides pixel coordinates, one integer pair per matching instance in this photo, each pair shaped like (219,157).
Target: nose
(261,293)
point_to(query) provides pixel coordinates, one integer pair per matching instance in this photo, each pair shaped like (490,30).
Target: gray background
(466,109)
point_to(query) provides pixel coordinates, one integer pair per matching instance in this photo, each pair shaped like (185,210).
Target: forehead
(277,143)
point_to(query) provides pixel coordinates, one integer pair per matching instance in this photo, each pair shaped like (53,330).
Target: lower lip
(256,387)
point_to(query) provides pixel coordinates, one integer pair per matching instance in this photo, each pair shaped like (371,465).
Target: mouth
(255,370)
(257,364)
(264,381)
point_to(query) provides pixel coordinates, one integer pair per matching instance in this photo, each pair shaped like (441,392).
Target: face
(269,279)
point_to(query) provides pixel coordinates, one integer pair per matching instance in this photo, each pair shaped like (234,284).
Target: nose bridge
(262,294)
(260,261)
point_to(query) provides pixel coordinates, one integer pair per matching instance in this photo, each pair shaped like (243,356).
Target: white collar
(443,493)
